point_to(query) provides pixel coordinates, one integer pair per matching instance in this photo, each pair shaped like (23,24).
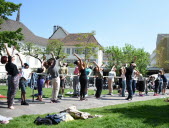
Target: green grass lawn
(143,114)
(47,92)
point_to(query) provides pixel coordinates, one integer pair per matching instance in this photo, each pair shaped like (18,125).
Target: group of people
(158,83)
(129,78)
(19,78)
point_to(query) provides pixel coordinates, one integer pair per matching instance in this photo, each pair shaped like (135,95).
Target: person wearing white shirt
(134,80)
(112,75)
(123,72)
(25,76)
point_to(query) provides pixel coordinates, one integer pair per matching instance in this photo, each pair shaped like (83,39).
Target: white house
(71,39)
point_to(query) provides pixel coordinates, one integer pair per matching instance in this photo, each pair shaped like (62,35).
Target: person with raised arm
(129,71)
(12,70)
(41,79)
(88,73)
(53,71)
(23,82)
(83,77)
(123,77)
(99,80)
(76,84)
(112,75)
(4,61)
(63,71)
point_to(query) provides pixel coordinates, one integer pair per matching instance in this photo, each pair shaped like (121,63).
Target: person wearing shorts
(26,74)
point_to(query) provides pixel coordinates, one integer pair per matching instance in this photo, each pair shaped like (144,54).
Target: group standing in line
(129,79)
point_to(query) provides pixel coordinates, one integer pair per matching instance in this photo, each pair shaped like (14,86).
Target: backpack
(56,118)
(41,121)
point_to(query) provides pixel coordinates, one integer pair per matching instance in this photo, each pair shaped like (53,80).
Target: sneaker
(55,101)
(110,94)
(24,103)
(141,95)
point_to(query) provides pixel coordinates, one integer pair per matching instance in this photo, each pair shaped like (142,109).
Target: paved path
(47,107)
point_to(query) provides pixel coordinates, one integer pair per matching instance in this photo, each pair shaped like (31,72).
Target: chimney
(54,28)
(18,15)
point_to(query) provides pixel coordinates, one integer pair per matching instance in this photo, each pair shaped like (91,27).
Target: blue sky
(116,22)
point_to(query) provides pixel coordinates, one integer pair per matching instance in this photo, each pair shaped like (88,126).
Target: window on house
(44,49)
(68,51)
(73,50)
(76,51)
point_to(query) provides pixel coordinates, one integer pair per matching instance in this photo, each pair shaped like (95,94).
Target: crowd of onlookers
(129,79)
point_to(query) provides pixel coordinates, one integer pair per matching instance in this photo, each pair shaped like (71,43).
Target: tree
(56,46)
(10,37)
(87,48)
(30,49)
(127,54)
(114,55)
(162,54)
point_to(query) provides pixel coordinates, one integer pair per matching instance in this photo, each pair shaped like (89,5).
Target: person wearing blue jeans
(123,88)
(123,77)
(129,71)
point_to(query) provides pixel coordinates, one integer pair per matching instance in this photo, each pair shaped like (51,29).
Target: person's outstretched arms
(80,60)
(20,60)
(6,48)
(96,65)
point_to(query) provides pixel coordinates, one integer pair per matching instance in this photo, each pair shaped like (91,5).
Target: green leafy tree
(162,54)
(56,46)
(30,49)
(127,54)
(114,55)
(9,37)
(89,49)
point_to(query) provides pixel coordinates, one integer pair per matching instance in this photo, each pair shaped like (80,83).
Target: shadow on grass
(150,114)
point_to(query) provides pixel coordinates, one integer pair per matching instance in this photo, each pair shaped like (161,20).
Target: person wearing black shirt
(164,82)
(129,71)
(41,80)
(13,71)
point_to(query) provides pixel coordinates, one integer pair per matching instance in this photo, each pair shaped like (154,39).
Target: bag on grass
(41,121)
(56,119)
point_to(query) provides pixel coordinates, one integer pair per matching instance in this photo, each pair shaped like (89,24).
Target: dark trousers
(156,86)
(40,83)
(83,86)
(99,86)
(129,88)
(13,89)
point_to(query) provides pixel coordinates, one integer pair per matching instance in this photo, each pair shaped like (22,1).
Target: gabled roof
(11,25)
(59,27)
(76,38)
